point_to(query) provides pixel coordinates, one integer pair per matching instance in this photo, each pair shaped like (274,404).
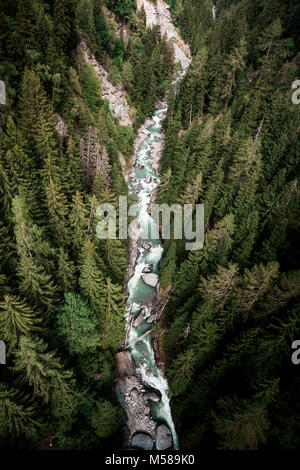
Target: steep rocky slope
(159,14)
(114,94)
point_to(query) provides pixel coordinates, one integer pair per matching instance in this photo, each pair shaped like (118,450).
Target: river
(142,387)
(143,182)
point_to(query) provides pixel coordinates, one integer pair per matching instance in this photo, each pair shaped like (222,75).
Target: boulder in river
(150,319)
(150,279)
(146,246)
(163,437)
(151,396)
(148,269)
(142,441)
(139,318)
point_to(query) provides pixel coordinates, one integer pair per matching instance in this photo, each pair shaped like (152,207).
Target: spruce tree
(78,325)
(66,272)
(106,418)
(41,369)
(78,222)
(253,285)
(112,320)
(36,285)
(116,258)
(217,288)
(91,279)
(57,207)
(18,417)
(30,238)
(16,319)
(241,424)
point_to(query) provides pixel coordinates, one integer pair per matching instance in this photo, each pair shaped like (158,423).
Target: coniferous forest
(231,133)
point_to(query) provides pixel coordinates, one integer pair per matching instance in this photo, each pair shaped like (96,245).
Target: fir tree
(112,321)
(254,285)
(66,273)
(16,319)
(91,279)
(41,369)
(18,417)
(77,325)
(217,288)
(106,418)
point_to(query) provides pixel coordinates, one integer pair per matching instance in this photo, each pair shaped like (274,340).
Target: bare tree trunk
(229,93)
(259,130)
(191,112)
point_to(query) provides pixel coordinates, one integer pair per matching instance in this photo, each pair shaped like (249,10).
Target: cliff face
(114,94)
(159,14)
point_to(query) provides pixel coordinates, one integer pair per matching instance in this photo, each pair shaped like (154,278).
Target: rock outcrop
(142,441)
(159,14)
(163,438)
(138,410)
(137,322)
(125,364)
(114,94)
(150,279)
(148,269)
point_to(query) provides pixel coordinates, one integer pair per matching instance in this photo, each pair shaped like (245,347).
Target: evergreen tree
(112,320)
(241,424)
(30,239)
(78,222)
(58,211)
(17,415)
(16,318)
(66,273)
(91,279)
(77,325)
(168,267)
(106,418)
(182,370)
(41,369)
(253,286)
(218,287)
(116,258)
(65,22)
(36,285)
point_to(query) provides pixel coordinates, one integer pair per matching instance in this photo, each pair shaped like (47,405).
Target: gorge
(143,389)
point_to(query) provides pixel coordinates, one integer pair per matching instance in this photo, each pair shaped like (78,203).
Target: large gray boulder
(142,441)
(163,437)
(151,396)
(150,279)
(137,322)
